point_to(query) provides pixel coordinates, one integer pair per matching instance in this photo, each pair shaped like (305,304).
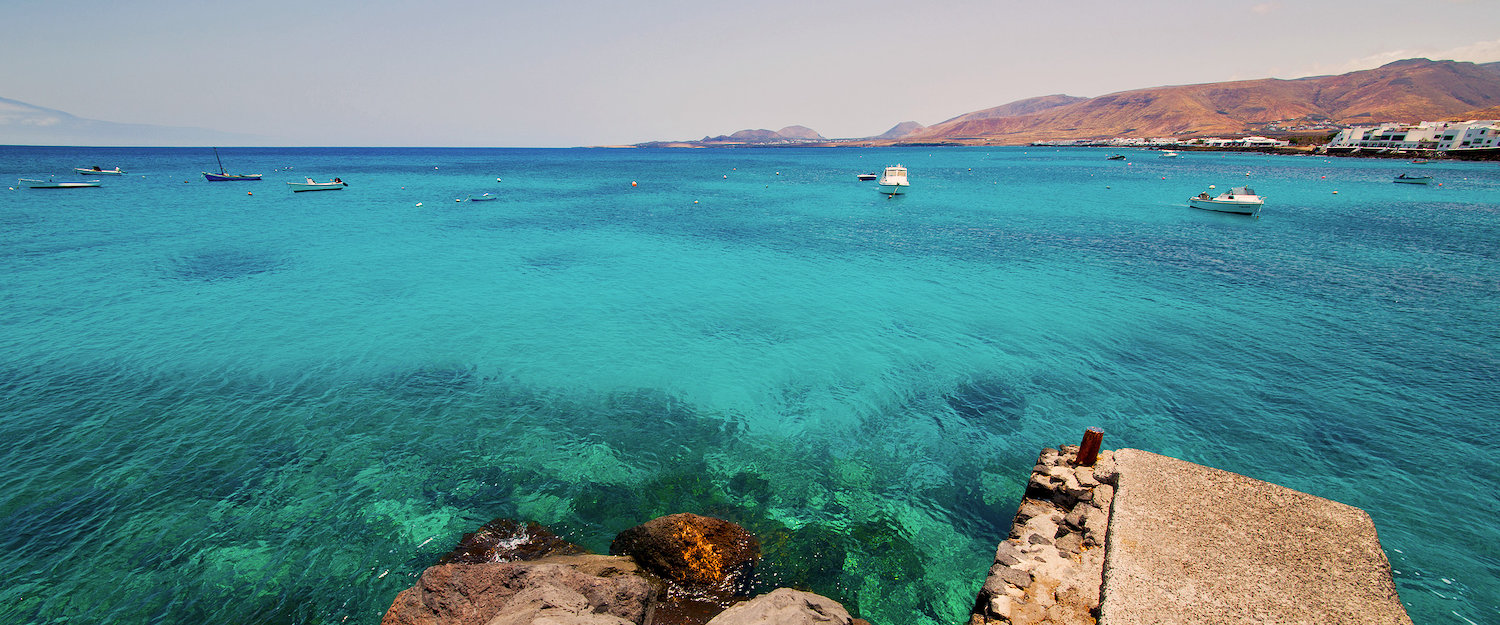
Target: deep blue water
(225,402)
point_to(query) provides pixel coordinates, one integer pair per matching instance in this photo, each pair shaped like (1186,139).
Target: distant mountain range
(26,124)
(1404,91)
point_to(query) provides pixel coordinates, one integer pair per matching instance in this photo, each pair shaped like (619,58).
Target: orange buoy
(632,183)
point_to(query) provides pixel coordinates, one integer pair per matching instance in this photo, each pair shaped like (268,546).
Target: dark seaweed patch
(219,265)
(988,403)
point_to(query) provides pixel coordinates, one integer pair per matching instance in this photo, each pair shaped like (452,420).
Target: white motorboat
(96,171)
(332,185)
(1168,154)
(869,176)
(53,184)
(1410,179)
(893,181)
(1239,200)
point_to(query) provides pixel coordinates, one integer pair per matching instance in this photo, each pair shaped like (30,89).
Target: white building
(1474,134)
(1245,142)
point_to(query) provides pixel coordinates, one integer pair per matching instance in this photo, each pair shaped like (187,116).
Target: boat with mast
(223,176)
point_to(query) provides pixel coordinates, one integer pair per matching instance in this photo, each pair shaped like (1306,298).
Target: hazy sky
(566,73)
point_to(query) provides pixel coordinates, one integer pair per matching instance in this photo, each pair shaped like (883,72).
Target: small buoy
(1247,173)
(1335,192)
(458,199)
(497,180)
(1324,176)
(1106,186)
(419,203)
(1211,186)
(695,201)
(632,183)
(1163,177)
(434,168)
(249,193)
(1440,184)
(726,176)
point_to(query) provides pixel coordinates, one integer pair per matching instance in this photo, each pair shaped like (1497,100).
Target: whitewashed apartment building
(1443,136)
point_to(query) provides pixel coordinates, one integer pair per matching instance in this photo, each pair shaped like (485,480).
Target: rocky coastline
(1158,519)
(681,569)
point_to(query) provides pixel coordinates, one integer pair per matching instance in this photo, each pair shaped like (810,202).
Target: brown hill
(900,130)
(1410,90)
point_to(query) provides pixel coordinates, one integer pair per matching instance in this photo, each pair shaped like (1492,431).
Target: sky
(602,72)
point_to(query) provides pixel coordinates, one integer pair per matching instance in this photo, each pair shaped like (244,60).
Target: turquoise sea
(229,403)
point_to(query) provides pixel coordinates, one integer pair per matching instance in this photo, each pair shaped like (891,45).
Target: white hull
(48,184)
(1228,206)
(298,187)
(893,181)
(98,172)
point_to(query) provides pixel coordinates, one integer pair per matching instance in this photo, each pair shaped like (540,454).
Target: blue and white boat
(223,176)
(1239,200)
(1410,179)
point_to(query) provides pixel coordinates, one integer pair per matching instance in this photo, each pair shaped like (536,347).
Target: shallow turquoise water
(223,402)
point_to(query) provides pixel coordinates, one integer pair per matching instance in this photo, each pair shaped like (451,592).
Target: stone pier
(1142,538)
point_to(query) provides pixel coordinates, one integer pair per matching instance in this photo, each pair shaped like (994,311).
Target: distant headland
(1304,110)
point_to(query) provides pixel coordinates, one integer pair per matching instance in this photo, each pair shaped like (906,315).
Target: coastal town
(1477,139)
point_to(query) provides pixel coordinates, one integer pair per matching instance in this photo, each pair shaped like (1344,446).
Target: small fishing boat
(483,198)
(96,171)
(1419,161)
(1167,154)
(869,176)
(1115,157)
(223,176)
(332,185)
(1239,200)
(1409,179)
(53,184)
(894,181)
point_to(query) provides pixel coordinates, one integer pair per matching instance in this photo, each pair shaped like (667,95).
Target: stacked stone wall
(1051,568)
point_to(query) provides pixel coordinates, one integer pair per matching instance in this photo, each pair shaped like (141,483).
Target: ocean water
(225,402)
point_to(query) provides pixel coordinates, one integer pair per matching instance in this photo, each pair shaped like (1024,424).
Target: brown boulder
(697,552)
(474,594)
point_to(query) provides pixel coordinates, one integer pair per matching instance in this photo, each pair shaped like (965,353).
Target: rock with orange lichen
(697,552)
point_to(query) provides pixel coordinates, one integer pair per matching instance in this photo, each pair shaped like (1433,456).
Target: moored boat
(53,184)
(869,176)
(1409,179)
(96,171)
(1168,154)
(223,176)
(332,185)
(1239,200)
(483,198)
(1115,157)
(893,182)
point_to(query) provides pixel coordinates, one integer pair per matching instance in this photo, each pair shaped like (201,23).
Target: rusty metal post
(1088,450)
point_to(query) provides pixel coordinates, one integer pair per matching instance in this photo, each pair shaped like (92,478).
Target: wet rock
(696,552)
(785,606)
(474,594)
(505,540)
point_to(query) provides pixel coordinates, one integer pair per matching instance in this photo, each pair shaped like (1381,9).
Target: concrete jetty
(1182,544)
